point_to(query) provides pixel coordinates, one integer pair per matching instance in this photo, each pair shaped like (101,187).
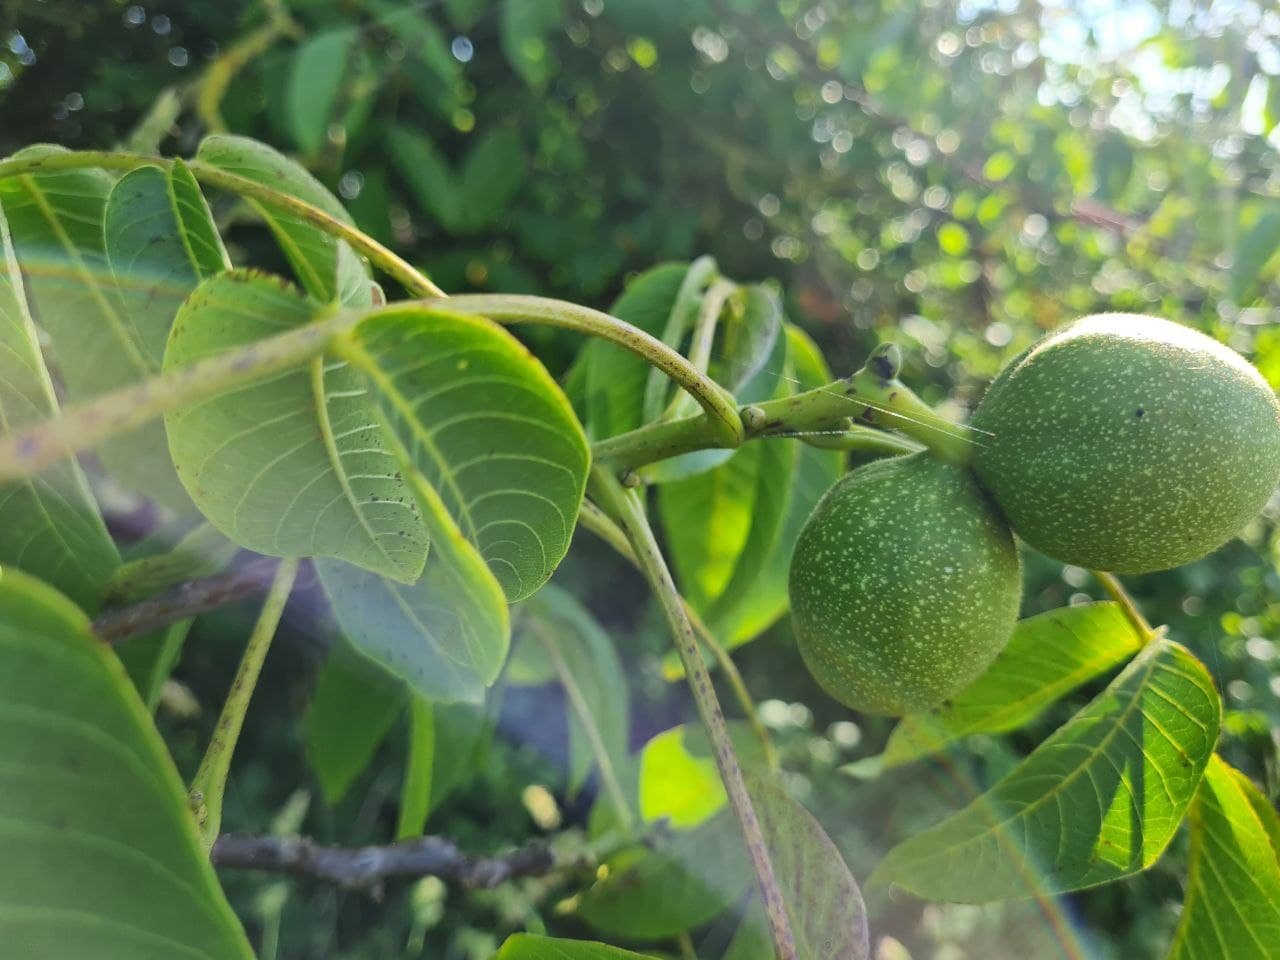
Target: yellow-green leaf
(1232,906)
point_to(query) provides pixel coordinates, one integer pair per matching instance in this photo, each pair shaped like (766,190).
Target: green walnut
(905,584)
(1128,443)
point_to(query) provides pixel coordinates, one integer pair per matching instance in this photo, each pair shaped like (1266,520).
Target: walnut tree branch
(186,600)
(355,868)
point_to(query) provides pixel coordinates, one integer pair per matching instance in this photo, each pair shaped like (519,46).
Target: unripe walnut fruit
(905,585)
(1128,443)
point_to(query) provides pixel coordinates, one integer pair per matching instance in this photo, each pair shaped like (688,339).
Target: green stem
(721,421)
(381,257)
(210,782)
(858,439)
(599,523)
(627,506)
(702,272)
(703,339)
(82,426)
(874,396)
(1116,591)
(578,703)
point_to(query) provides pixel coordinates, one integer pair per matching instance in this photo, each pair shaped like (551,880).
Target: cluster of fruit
(1120,442)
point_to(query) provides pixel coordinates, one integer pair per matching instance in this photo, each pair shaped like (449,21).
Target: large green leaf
(160,242)
(51,523)
(814,472)
(824,905)
(1232,907)
(57,221)
(615,378)
(482,423)
(584,660)
(101,855)
(1097,801)
(315,79)
(1047,657)
(445,635)
(296,465)
(528,946)
(352,710)
(326,267)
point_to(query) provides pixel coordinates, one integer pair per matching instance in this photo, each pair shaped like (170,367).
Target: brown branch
(355,868)
(186,600)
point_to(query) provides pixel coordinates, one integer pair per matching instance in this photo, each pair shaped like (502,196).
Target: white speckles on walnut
(904,586)
(1128,443)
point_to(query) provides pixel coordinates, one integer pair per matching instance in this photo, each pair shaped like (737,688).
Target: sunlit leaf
(676,785)
(678,881)
(295,466)
(51,524)
(315,79)
(1232,906)
(1047,657)
(1097,801)
(101,855)
(327,268)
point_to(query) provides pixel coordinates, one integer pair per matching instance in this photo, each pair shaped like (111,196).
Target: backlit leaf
(327,268)
(1097,801)
(485,427)
(1232,907)
(1047,657)
(295,466)
(52,528)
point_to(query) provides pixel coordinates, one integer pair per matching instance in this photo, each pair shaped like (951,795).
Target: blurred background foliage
(956,176)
